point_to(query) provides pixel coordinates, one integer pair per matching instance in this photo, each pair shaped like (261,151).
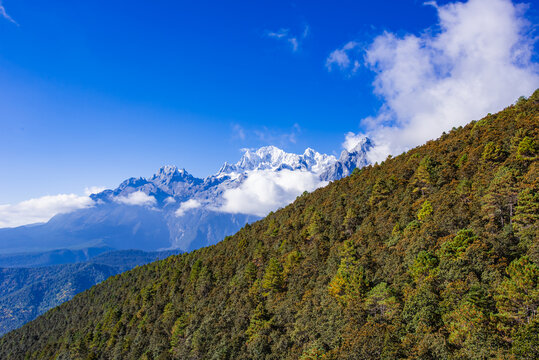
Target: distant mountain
(26,293)
(53,257)
(173,209)
(113,225)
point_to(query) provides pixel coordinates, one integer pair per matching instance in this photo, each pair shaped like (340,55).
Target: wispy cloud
(5,15)
(41,209)
(294,41)
(345,58)
(477,59)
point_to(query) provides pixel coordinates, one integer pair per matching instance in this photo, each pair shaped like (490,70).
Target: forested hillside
(432,254)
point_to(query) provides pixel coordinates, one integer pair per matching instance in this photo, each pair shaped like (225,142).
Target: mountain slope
(432,254)
(111,225)
(26,293)
(173,209)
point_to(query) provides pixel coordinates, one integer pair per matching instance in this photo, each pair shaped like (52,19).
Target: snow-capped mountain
(273,158)
(348,161)
(173,209)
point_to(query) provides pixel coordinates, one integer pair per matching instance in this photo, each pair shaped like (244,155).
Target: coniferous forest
(432,254)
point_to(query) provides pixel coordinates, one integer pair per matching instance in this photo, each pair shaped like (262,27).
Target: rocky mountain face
(173,209)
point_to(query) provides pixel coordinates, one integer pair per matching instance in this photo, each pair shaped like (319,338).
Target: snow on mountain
(356,157)
(275,159)
(191,212)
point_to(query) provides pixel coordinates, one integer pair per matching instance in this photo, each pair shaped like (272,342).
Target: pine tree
(498,203)
(273,277)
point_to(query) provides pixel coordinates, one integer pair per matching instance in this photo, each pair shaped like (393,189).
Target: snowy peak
(169,173)
(267,157)
(363,146)
(356,157)
(273,158)
(169,170)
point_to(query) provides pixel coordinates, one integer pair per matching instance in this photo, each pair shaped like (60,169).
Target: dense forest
(433,254)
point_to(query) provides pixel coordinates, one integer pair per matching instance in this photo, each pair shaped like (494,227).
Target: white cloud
(479,61)
(136,198)
(264,191)
(170,200)
(342,58)
(41,209)
(5,15)
(94,190)
(351,140)
(186,206)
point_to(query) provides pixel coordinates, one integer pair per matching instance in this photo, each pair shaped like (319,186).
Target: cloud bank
(137,198)
(265,190)
(476,60)
(41,209)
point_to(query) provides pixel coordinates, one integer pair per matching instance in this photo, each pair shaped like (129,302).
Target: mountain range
(174,210)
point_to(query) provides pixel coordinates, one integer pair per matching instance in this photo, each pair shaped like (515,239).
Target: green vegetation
(431,255)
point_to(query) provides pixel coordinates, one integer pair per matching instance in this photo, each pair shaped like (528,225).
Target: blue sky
(93,92)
